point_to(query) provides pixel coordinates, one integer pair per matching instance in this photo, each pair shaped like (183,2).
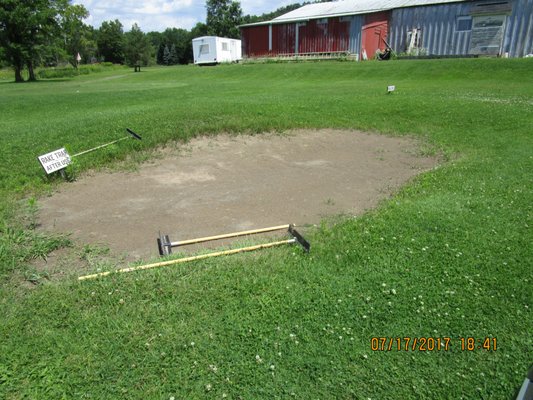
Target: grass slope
(448,256)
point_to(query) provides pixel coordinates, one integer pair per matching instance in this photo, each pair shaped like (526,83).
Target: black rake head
(133,134)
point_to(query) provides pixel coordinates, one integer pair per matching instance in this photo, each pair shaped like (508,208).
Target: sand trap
(225,184)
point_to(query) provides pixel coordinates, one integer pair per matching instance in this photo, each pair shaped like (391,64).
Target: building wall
(440,36)
(438,25)
(283,39)
(356,29)
(255,41)
(518,40)
(437,28)
(324,36)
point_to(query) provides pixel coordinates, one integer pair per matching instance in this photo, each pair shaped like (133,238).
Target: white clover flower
(208,387)
(192,344)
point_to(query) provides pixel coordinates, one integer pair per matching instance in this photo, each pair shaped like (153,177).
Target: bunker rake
(165,248)
(132,135)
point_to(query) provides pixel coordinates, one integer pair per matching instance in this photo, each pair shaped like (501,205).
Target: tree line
(35,33)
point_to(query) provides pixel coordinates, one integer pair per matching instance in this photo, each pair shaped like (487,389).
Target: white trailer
(215,50)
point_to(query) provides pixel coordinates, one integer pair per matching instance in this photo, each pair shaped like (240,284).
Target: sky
(157,15)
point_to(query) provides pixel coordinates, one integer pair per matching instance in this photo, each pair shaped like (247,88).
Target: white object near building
(215,50)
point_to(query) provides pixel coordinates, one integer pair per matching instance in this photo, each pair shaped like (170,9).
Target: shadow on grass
(36,82)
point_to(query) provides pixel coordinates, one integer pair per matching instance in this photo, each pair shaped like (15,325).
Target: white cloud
(157,15)
(258,7)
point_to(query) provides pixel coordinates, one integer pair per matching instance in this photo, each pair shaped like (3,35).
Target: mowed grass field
(449,256)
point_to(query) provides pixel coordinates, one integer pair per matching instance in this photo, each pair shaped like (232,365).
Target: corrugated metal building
(432,27)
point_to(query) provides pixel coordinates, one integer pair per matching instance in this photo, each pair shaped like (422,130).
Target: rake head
(133,134)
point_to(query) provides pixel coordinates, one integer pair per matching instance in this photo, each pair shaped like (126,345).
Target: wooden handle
(187,259)
(229,235)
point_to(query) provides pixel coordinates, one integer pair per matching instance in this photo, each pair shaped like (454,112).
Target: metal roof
(348,7)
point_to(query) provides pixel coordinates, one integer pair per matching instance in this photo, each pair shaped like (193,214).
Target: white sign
(54,161)
(391,88)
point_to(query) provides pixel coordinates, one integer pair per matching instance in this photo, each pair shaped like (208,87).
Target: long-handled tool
(295,238)
(132,135)
(165,245)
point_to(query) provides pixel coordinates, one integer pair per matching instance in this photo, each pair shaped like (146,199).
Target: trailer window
(225,46)
(204,49)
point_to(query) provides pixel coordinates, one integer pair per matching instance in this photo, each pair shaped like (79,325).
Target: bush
(69,72)
(6,74)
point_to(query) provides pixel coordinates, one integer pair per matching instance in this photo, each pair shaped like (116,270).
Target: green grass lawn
(449,256)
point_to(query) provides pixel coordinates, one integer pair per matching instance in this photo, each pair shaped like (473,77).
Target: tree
(137,48)
(28,29)
(166,56)
(161,53)
(174,46)
(77,36)
(179,39)
(200,29)
(223,17)
(173,55)
(110,41)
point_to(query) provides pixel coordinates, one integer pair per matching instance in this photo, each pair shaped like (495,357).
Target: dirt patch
(225,184)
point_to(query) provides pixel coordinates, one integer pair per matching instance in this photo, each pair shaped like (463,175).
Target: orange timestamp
(432,343)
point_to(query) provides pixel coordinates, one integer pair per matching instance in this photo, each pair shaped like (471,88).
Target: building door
(374,35)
